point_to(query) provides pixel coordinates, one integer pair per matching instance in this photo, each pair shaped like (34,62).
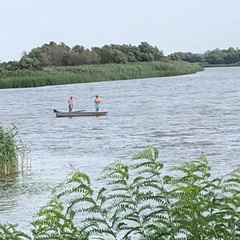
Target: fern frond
(9,231)
(150,153)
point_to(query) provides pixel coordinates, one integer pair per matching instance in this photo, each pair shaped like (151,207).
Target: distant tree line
(216,56)
(54,54)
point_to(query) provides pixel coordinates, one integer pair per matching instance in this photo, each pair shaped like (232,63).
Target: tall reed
(94,73)
(9,152)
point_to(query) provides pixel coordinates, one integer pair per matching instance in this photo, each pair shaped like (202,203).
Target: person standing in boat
(70,104)
(97,102)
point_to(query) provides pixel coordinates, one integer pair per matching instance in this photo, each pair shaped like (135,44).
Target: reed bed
(94,73)
(11,155)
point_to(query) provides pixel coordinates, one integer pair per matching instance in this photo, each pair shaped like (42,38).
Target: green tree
(149,53)
(29,63)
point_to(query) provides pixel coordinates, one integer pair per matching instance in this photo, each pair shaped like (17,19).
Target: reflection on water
(182,116)
(6,184)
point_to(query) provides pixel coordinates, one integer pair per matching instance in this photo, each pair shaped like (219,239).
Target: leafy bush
(138,201)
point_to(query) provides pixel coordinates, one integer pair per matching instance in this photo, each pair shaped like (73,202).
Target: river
(183,116)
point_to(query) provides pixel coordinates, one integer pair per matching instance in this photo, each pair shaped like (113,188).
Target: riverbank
(207,65)
(94,73)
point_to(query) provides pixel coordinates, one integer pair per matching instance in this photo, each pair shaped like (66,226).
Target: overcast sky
(171,25)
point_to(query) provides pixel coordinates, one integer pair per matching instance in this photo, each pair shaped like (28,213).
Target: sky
(171,25)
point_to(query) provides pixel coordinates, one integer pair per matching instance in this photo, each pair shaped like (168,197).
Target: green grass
(94,73)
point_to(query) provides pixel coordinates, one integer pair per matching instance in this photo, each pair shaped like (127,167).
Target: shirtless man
(70,104)
(97,102)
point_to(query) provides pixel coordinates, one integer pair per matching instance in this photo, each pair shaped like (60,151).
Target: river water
(183,116)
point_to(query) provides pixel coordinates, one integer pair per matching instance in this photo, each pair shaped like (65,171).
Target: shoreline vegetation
(139,201)
(23,78)
(57,64)
(12,153)
(207,65)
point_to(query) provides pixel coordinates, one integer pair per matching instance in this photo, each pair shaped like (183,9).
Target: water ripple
(182,116)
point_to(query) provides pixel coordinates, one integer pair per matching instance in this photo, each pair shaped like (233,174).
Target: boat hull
(79,114)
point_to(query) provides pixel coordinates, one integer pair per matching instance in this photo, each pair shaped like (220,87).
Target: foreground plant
(138,201)
(10,232)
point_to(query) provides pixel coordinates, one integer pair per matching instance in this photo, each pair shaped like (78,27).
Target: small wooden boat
(80,113)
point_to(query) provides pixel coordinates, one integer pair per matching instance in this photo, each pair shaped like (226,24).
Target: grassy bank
(94,73)
(205,65)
